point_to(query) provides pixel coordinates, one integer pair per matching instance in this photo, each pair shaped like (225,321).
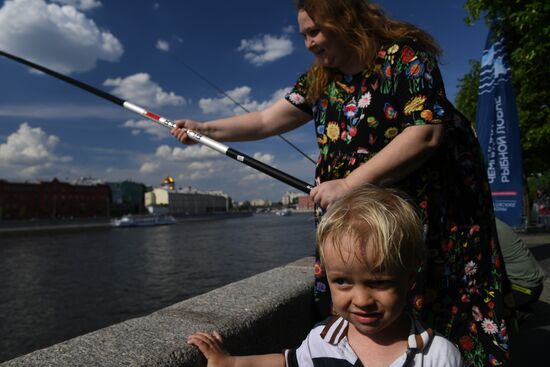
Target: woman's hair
(381,228)
(363,27)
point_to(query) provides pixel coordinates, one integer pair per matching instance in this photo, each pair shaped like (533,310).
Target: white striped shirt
(327,345)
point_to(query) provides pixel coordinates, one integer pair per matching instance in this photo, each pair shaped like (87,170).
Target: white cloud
(149,167)
(58,37)
(183,154)
(140,89)
(251,174)
(226,107)
(29,151)
(200,171)
(163,45)
(192,163)
(201,165)
(80,4)
(195,176)
(266,48)
(256,176)
(263,157)
(288,29)
(149,127)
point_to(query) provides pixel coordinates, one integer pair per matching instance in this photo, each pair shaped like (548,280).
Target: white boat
(143,220)
(283,213)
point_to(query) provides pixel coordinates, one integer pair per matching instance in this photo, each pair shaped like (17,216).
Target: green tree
(466,97)
(539,182)
(525,25)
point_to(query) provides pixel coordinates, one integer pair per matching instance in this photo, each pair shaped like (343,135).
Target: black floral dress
(462,289)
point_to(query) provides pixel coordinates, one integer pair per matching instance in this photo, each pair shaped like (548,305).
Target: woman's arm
(402,156)
(280,117)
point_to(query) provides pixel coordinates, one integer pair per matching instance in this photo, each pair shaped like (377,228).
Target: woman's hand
(211,345)
(180,132)
(328,192)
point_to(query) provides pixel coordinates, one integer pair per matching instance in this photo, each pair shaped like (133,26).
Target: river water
(58,285)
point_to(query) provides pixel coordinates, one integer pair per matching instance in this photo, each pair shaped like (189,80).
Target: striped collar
(419,336)
(336,329)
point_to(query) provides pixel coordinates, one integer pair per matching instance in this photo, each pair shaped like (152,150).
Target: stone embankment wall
(261,314)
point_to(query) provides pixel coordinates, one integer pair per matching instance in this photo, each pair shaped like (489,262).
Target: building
(260,203)
(181,202)
(305,203)
(298,200)
(290,198)
(127,197)
(53,200)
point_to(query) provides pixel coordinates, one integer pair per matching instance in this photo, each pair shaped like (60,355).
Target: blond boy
(371,246)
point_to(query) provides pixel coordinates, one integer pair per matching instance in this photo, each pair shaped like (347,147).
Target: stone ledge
(261,314)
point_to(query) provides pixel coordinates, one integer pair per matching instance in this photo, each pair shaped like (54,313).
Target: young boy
(371,246)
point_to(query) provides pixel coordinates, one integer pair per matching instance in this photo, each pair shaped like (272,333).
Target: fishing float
(199,138)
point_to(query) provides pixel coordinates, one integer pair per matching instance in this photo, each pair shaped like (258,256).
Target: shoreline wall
(261,314)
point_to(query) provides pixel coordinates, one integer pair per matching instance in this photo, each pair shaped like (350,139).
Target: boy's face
(371,302)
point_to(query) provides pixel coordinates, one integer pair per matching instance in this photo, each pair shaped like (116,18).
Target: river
(61,284)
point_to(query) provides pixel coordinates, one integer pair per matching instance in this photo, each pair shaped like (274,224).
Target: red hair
(363,27)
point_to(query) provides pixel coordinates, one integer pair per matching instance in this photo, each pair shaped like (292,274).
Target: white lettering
(501,143)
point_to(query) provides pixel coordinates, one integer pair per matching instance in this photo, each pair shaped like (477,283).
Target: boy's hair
(380,224)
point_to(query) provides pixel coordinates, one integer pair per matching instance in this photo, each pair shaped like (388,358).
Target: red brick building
(305,203)
(53,200)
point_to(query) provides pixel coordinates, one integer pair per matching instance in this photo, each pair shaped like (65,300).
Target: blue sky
(135,50)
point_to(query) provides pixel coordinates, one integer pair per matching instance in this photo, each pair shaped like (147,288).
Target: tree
(525,25)
(466,98)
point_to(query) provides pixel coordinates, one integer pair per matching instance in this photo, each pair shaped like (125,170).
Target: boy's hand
(211,345)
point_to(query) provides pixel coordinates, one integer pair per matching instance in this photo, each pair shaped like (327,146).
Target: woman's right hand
(180,131)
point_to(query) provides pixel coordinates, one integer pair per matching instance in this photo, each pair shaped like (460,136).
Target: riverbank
(45,225)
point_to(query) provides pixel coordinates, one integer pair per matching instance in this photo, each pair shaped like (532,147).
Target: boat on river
(144,220)
(283,212)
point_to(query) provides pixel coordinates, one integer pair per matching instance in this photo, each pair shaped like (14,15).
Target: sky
(140,51)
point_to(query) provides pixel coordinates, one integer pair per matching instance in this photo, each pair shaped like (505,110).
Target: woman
(381,116)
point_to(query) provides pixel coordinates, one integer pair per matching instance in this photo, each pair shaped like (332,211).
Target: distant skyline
(134,50)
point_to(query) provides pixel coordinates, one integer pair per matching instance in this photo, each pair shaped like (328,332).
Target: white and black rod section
(213,144)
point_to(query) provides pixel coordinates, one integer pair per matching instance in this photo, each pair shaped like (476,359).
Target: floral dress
(462,289)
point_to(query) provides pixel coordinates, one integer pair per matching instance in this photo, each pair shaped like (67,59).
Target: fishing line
(211,143)
(202,77)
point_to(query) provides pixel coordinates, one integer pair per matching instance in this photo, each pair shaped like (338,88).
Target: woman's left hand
(328,192)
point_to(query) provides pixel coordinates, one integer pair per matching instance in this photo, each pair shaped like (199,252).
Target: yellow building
(186,202)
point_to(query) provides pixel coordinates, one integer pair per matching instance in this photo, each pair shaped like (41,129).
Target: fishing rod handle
(199,138)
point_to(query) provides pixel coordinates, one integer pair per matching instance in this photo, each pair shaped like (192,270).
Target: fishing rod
(202,77)
(199,138)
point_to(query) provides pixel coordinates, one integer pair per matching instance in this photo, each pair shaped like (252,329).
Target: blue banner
(498,132)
